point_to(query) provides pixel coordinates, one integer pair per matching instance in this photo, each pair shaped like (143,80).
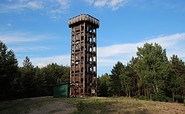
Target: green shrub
(142,97)
(178,98)
(159,97)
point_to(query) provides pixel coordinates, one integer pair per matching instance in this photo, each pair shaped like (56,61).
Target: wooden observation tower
(83,71)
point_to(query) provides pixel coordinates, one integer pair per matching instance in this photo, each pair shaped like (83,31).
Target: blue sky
(39,28)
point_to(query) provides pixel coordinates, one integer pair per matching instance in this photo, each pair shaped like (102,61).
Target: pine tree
(153,68)
(115,78)
(133,78)
(8,71)
(177,77)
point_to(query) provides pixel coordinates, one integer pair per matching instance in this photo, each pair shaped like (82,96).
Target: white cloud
(34,4)
(29,48)
(44,61)
(113,4)
(54,8)
(20,5)
(100,3)
(109,55)
(117,49)
(59,6)
(63,3)
(10,8)
(24,42)
(168,40)
(19,37)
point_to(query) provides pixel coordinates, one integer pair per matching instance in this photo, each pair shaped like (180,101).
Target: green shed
(61,90)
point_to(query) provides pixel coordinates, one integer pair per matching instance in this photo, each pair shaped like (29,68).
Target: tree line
(27,81)
(149,75)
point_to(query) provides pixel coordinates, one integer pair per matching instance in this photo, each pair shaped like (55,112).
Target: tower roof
(83,18)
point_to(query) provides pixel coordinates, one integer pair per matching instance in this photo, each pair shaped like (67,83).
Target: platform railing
(83,17)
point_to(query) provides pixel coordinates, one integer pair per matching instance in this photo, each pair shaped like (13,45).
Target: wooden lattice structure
(83,71)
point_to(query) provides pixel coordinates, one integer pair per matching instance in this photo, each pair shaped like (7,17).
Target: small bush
(142,97)
(159,97)
(178,98)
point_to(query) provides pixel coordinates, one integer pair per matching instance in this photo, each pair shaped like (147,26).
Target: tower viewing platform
(83,18)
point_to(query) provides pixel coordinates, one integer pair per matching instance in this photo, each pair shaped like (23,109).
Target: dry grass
(101,105)
(134,106)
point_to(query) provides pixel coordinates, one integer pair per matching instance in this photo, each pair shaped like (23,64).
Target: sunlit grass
(111,105)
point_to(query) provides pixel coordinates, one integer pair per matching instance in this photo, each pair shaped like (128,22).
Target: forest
(149,75)
(28,80)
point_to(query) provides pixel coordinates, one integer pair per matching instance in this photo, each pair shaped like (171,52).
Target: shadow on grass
(22,106)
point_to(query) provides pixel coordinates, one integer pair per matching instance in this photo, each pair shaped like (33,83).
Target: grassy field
(94,105)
